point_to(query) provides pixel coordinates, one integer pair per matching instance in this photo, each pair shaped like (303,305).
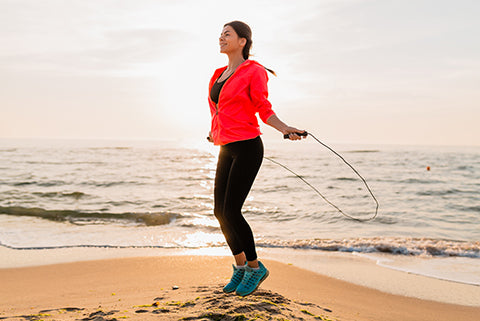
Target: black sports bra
(216,88)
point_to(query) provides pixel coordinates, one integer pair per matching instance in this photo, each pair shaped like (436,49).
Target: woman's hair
(244,31)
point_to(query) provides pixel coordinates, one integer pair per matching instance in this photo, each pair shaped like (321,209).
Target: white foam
(456,269)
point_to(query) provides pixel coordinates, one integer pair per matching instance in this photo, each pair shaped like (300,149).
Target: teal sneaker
(237,277)
(252,279)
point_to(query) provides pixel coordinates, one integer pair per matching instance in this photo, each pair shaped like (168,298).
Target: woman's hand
(209,137)
(279,125)
(292,133)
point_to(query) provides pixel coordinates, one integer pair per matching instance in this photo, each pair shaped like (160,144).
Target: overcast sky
(357,71)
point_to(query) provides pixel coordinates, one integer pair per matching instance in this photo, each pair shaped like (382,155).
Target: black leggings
(238,164)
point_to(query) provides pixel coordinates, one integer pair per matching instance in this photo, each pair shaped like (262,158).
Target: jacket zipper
(228,79)
(216,105)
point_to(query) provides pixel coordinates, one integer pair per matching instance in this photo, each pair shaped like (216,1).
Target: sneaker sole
(229,291)
(259,282)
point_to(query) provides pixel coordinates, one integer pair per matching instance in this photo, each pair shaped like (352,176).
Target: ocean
(159,194)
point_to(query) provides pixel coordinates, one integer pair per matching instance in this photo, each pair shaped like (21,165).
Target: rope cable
(321,195)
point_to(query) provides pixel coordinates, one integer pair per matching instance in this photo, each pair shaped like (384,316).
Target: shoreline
(348,267)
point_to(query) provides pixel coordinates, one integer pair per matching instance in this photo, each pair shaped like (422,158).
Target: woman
(236,93)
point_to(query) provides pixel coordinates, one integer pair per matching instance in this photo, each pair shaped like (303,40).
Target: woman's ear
(243,42)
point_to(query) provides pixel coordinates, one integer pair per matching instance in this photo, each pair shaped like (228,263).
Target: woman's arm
(279,125)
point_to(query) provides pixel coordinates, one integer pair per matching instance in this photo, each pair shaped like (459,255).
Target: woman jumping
(236,93)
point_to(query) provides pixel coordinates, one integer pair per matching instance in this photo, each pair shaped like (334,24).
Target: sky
(349,71)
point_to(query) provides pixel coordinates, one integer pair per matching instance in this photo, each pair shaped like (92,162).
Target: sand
(189,288)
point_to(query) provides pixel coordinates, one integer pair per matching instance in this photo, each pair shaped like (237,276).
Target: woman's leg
(240,259)
(237,167)
(242,175)
(247,159)
(224,164)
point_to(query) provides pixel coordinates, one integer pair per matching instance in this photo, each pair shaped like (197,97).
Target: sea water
(71,193)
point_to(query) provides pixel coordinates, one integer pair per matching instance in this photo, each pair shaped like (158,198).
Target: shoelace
(238,276)
(252,278)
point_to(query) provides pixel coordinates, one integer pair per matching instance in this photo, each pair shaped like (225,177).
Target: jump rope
(320,194)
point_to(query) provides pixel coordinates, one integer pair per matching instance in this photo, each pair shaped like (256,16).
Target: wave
(87,246)
(42,162)
(206,228)
(53,183)
(346,179)
(75,195)
(85,218)
(470,208)
(466,168)
(466,208)
(391,245)
(42,184)
(363,151)
(446,192)
(111,148)
(421,181)
(112,183)
(415,247)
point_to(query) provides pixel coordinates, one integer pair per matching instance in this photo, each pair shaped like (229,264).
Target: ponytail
(271,71)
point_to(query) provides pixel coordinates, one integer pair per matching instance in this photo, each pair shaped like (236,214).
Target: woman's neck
(234,61)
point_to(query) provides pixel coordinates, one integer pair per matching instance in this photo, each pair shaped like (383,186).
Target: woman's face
(230,42)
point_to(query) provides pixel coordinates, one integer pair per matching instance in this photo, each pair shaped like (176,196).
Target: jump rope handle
(299,134)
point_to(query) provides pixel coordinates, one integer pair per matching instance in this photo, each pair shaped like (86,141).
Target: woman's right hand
(209,137)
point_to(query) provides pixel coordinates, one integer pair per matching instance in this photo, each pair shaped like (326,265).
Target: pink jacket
(243,95)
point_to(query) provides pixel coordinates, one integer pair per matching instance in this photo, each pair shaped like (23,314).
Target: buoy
(428,168)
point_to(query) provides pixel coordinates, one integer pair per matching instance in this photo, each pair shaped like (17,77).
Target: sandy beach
(189,288)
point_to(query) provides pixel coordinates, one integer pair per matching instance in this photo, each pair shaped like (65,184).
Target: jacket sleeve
(259,94)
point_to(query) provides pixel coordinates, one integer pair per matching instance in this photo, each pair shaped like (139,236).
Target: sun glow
(141,70)
(201,239)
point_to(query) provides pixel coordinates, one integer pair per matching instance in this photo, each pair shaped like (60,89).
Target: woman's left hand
(279,125)
(292,133)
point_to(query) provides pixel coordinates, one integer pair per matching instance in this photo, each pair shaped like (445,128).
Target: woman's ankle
(253,264)
(240,259)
